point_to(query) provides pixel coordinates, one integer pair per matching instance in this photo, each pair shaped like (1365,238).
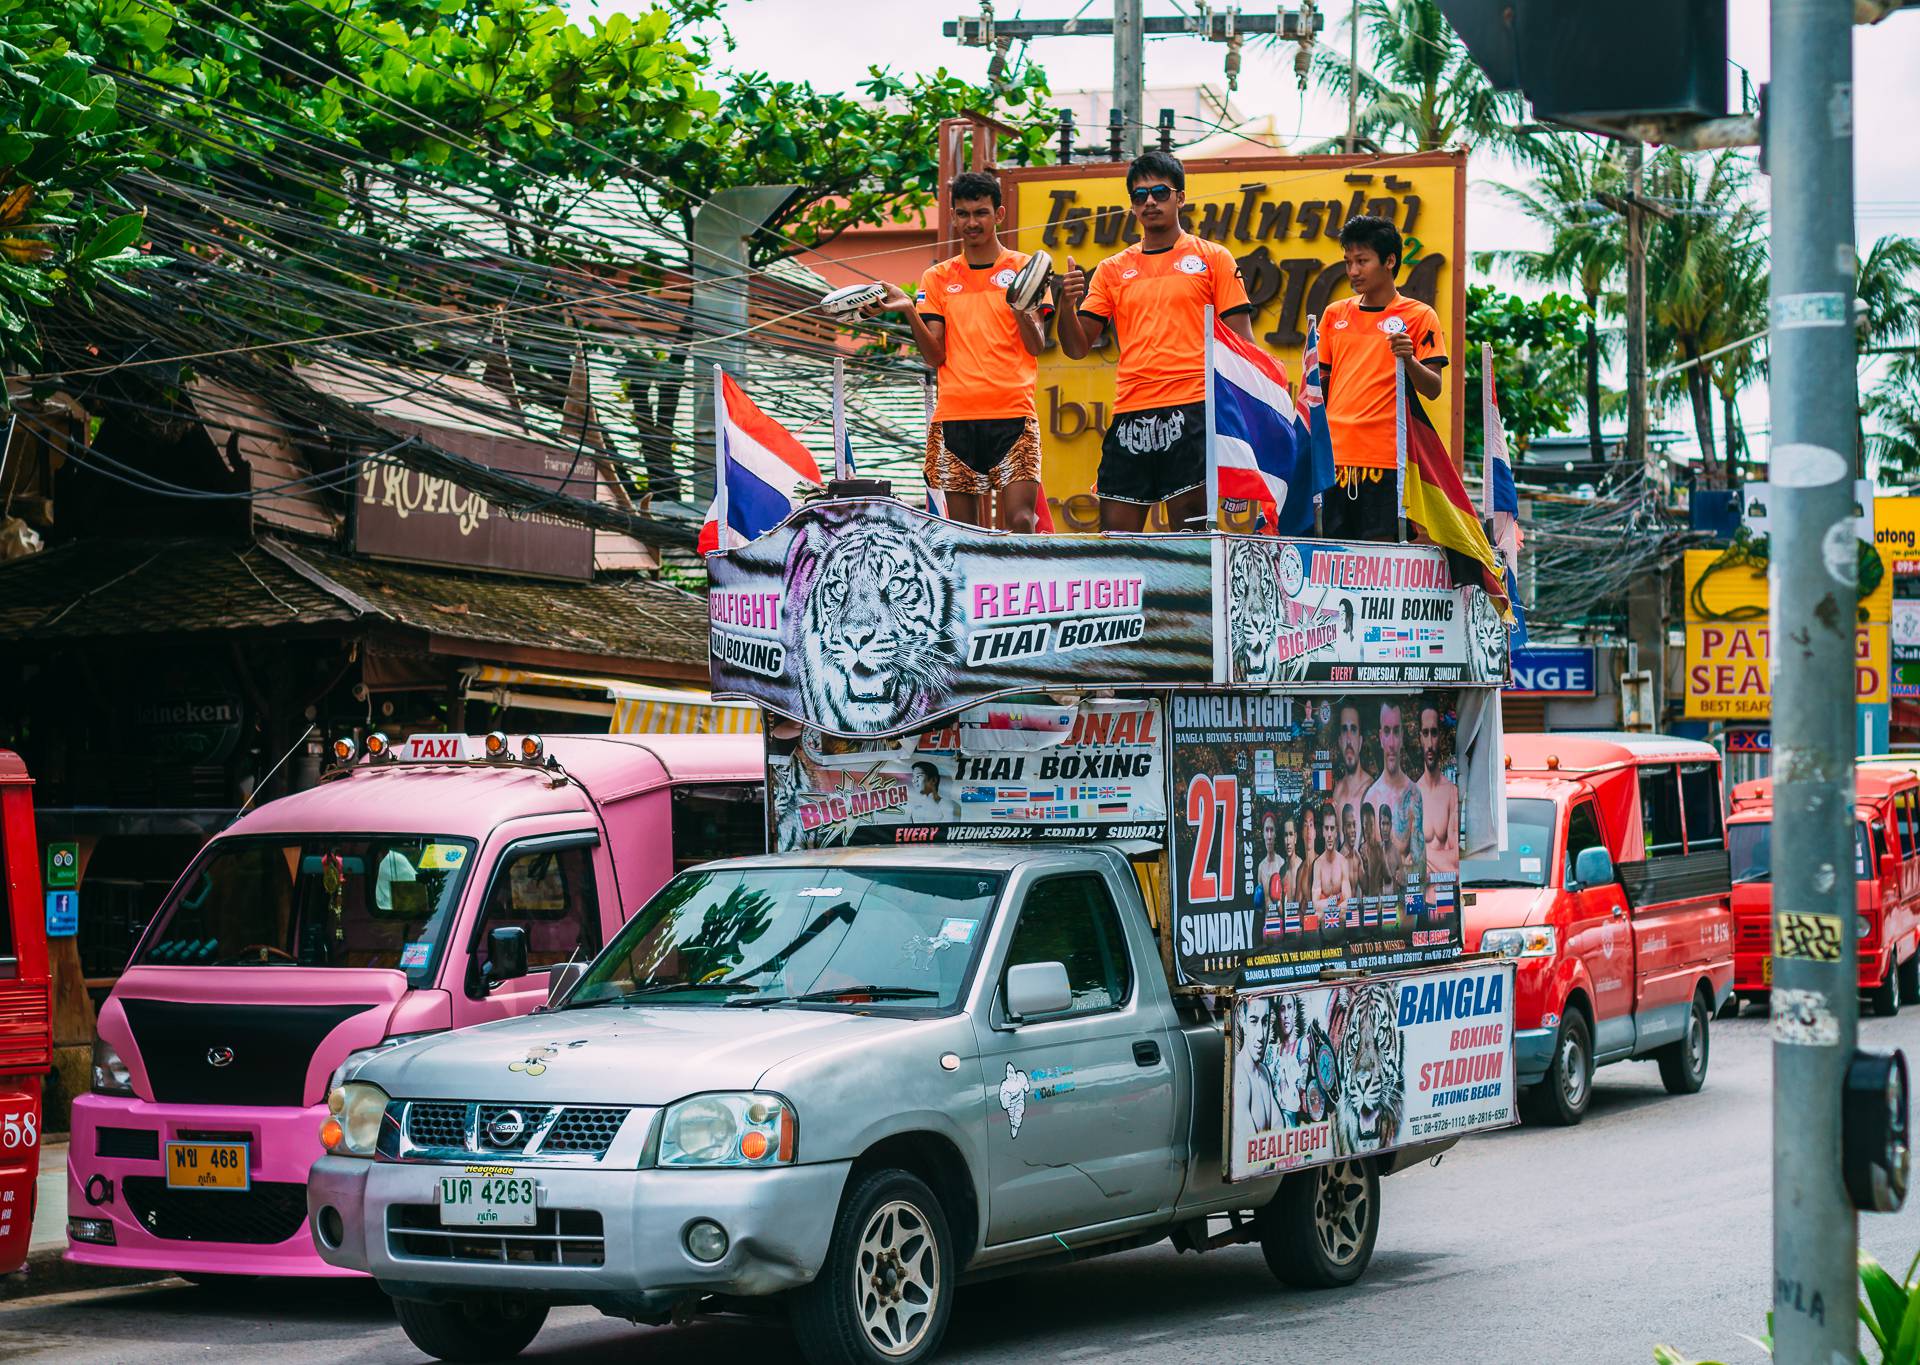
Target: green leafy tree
(1538,349)
(1887,285)
(1586,240)
(1423,92)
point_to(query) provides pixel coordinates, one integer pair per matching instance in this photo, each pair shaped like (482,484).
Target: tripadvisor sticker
(442,857)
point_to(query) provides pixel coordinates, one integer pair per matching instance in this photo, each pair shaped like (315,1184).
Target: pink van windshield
(381,901)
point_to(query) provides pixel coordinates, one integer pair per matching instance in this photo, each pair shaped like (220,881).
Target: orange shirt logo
(988,373)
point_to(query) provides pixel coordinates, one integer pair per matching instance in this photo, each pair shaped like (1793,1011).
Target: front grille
(127,1144)
(1755,934)
(437,1125)
(531,1117)
(272,1211)
(584,1130)
(573,1237)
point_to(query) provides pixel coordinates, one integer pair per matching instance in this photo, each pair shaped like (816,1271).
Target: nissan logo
(506,1128)
(219,1056)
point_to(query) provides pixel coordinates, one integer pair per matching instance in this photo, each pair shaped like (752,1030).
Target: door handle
(1146,1052)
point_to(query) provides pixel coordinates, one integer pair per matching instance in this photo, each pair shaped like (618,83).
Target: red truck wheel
(1561,1099)
(1683,1064)
(1885,997)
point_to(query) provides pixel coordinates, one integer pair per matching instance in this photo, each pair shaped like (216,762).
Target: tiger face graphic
(1487,642)
(876,641)
(1372,1054)
(1254,593)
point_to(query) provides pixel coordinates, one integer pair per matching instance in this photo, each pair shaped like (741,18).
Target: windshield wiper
(664,988)
(1479,882)
(835,992)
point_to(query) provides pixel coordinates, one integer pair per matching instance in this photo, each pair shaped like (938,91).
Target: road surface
(1648,1223)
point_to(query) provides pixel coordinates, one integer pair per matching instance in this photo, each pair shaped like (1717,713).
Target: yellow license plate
(1766,971)
(207,1166)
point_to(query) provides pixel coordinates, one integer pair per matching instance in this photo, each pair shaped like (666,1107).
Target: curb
(47,1271)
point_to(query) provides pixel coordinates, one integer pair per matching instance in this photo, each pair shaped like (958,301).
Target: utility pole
(1637,319)
(1129,72)
(1812,582)
(1353,80)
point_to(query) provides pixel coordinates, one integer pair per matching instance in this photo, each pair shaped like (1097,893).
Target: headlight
(355,1060)
(354,1112)
(1863,927)
(1534,942)
(728,1130)
(110,1074)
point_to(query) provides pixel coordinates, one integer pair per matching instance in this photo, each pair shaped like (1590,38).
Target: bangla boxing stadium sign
(1280,217)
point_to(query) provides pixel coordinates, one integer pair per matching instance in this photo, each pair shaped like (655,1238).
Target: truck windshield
(314,901)
(1750,849)
(1528,856)
(830,936)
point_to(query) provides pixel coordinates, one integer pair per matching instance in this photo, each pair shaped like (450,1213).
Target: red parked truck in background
(1613,895)
(1886,872)
(26,1014)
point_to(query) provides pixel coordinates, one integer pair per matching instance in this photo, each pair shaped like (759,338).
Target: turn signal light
(379,747)
(343,750)
(1553,760)
(754,1145)
(496,744)
(533,749)
(331,1133)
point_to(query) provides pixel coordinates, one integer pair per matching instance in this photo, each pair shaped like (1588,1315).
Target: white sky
(832,43)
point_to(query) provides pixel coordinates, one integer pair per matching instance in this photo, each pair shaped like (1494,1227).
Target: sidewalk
(45,1271)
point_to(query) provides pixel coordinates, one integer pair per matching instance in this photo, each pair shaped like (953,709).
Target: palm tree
(1742,318)
(1701,267)
(1586,240)
(1892,411)
(1884,283)
(1423,92)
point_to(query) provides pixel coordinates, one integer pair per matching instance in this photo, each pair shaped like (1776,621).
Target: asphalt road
(1648,1223)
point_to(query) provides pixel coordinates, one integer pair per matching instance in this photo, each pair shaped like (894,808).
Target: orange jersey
(988,372)
(1155,303)
(1356,359)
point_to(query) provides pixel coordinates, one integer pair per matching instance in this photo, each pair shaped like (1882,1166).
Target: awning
(634,708)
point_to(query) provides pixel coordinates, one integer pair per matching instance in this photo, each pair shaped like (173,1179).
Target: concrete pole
(1129,72)
(1636,317)
(1811,581)
(1353,80)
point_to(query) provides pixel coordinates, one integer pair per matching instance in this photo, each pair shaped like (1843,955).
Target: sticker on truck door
(1013,1098)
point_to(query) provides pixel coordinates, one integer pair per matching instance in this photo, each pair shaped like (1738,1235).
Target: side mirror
(1037,988)
(1592,867)
(561,979)
(506,954)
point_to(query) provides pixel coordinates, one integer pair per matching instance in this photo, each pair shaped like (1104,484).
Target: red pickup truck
(26,1019)
(1613,895)
(1886,870)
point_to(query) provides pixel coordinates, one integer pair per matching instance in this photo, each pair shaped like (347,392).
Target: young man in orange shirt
(1153,297)
(984,436)
(1362,339)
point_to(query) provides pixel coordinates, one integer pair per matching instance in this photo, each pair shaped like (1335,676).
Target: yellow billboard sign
(1730,641)
(1280,217)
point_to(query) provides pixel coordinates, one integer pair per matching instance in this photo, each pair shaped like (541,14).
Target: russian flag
(1256,434)
(760,464)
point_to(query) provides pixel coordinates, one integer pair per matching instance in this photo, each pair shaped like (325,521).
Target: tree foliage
(1538,348)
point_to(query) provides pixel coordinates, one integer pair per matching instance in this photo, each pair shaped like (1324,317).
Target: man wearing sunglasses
(1153,296)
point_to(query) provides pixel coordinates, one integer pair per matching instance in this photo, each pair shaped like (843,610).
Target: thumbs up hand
(1073,287)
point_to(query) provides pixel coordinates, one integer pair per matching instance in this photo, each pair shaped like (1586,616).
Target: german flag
(1437,506)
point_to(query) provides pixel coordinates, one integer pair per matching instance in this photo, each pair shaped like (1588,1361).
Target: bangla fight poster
(997,772)
(1301,611)
(1313,832)
(872,617)
(1326,1073)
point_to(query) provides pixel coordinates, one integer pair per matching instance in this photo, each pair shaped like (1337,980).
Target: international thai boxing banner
(1328,1073)
(1319,612)
(1313,832)
(871,617)
(996,773)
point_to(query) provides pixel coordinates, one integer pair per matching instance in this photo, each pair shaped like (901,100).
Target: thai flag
(1500,498)
(1257,445)
(1290,923)
(1310,413)
(760,465)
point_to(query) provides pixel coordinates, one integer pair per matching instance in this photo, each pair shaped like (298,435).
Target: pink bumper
(115,1172)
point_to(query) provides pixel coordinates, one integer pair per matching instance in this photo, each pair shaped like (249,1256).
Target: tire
(885,1291)
(1683,1064)
(1731,1010)
(1561,1099)
(490,1327)
(1910,981)
(1318,1231)
(1885,997)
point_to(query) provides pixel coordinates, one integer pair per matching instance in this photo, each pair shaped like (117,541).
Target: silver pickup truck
(852,1079)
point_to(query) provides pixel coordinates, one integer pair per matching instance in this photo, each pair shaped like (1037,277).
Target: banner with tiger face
(1318,1074)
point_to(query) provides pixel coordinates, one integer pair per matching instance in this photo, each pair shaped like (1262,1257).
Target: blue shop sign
(1553,671)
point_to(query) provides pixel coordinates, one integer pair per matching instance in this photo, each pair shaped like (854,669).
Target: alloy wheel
(1341,1211)
(896,1278)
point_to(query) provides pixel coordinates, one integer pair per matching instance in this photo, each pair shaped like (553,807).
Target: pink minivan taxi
(424,885)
